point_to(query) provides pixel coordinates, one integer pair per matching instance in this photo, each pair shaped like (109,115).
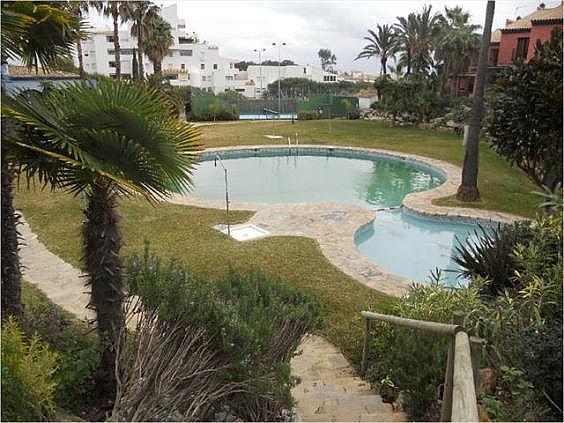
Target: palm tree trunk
(11,273)
(157,67)
(140,56)
(80,60)
(102,242)
(117,48)
(468,189)
(383,62)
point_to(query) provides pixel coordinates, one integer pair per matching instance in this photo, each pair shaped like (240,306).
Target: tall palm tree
(158,43)
(79,9)
(119,11)
(37,34)
(111,139)
(142,13)
(406,35)
(456,43)
(383,44)
(468,189)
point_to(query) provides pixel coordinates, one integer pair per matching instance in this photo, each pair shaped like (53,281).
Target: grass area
(502,187)
(186,233)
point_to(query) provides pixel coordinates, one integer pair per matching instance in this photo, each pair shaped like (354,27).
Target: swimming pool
(268,116)
(398,242)
(412,247)
(312,176)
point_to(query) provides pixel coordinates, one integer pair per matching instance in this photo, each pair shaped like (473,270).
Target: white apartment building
(190,62)
(269,74)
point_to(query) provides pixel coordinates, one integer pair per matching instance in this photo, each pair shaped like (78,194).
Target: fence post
(476,345)
(366,346)
(446,408)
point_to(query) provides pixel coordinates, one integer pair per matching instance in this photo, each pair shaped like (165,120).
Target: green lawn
(186,233)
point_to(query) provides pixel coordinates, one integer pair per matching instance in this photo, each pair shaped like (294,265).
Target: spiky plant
(108,140)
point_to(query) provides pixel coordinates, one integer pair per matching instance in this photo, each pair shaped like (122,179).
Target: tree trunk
(80,60)
(117,48)
(140,57)
(468,189)
(102,242)
(383,62)
(134,67)
(11,273)
(157,67)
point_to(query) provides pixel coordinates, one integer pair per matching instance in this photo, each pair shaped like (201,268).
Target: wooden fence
(463,359)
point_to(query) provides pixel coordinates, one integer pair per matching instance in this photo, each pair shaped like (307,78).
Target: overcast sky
(238,27)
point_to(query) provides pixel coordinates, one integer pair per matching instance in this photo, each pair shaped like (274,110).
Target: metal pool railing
(463,358)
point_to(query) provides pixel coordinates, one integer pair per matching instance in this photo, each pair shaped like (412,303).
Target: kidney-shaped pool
(404,245)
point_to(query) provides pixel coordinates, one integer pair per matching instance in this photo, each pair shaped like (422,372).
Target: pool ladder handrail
(296,144)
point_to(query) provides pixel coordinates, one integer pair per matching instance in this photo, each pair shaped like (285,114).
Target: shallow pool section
(292,176)
(412,247)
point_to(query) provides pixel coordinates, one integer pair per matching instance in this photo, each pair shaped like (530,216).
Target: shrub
(490,256)
(249,326)
(73,341)
(525,124)
(27,370)
(416,361)
(308,115)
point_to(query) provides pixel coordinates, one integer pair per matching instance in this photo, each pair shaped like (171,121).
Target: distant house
(366,98)
(19,78)
(516,41)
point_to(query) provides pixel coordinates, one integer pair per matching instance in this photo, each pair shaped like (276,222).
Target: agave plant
(107,140)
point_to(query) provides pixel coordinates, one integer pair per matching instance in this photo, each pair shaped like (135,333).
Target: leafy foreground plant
(27,369)
(213,350)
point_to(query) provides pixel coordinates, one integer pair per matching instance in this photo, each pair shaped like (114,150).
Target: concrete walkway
(329,390)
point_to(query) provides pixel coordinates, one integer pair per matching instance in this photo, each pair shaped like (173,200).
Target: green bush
(75,344)
(416,361)
(308,115)
(27,376)
(254,323)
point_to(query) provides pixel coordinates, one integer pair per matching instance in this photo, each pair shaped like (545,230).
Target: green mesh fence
(211,107)
(330,105)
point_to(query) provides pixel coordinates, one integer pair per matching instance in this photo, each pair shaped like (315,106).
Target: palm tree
(406,35)
(159,41)
(118,10)
(79,8)
(111,139)
(142,13)
(456,43)
(37,34)
(468,189)
(383,44)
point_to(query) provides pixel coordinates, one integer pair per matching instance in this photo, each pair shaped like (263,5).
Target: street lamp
(279,75)
(259,51)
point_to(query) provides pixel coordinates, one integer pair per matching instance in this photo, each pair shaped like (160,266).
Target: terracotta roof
(496,36)
(538,15)
(23,71)
(367,93)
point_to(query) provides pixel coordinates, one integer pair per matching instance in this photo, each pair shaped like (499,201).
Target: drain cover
(244,232)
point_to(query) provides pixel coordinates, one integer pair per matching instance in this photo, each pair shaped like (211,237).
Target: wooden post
(476,345)
(446,407)
(464,404)
(366,346)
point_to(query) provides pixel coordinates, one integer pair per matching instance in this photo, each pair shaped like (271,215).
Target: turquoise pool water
(273,178)
(412,247)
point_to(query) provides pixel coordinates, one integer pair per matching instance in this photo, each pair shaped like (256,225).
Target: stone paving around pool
(334,225)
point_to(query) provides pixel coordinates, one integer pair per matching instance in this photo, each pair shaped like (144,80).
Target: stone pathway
(329,389)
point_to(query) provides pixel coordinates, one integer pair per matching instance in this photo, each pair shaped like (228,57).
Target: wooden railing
(463,359)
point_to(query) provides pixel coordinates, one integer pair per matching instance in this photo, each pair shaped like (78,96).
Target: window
(181,26)
(109,38)
(522,48)
(203,79)
(112,64)
(209,89)
(229,78)
(123,52)
(184,40)
(170,54)
(186,52)
(230,65)
(494,54)
(182,66)
(202,66)
(215,66)
(305,71)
